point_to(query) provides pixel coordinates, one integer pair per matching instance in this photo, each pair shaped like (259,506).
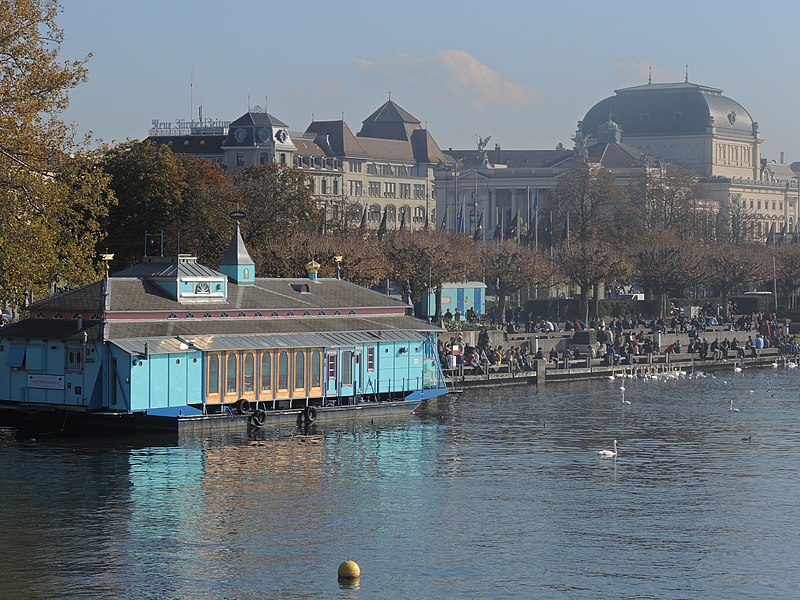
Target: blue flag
(461,221)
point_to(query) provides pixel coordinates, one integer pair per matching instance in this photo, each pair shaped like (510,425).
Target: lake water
(501,495)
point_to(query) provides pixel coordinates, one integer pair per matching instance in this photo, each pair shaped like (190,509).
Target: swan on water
(737,369)
(608,453)
(732,408)
(628,402)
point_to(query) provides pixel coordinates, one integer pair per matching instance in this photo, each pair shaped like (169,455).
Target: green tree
(149,182)
(51,193)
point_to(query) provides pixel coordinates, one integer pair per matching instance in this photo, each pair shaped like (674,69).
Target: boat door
(349,373)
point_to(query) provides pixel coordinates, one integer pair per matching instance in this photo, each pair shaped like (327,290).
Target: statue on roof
(482,156)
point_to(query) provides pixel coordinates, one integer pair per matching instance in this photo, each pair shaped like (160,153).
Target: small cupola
(236,263)
(313,268)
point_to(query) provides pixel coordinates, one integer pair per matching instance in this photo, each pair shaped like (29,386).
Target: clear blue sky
(522,72)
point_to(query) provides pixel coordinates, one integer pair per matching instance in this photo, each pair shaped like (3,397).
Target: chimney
(781,157)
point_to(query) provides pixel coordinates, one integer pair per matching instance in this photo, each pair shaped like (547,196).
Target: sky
(522,72)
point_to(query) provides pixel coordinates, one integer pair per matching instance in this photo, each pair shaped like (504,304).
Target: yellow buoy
(349,569)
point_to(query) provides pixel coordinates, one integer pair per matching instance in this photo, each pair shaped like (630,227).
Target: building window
(331,366)
(355,166)
(405,190)
(263,158)
(347,367)
(249,373)
(74,358)
(419,214)
(374,189)
(299,370)
(370,358)
(230,374)
(266,372)
(335,187)
(419,192)
(389,189)
(375,213)
(316,357)
(356,188)
(391,214)
(213,375)
(323,186)
(283,158)
(283,370)
(240,159)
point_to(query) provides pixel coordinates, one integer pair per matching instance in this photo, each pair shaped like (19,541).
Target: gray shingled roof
(137,295)
(167,267)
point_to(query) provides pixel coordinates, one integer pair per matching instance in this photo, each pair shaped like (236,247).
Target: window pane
(213,374)
(347,368)
(316,359)
(230,374)
(299,370)
(249,372)
(266,372)
(283,371)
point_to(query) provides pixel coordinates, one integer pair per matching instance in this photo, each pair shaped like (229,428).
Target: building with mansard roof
(388,166)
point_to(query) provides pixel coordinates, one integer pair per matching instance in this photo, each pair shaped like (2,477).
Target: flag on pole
(460,228)
(796,235)
(565,235)
(403,219)
(782,239)
(771,235)
(535,211)
(363,224)
(444,220)
(478,235)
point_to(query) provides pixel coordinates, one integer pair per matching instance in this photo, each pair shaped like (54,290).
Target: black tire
(310,414)
(258,418)
(243,407)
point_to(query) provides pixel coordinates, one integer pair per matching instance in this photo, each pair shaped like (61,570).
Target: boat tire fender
(243,406)
(259,417)
(310,414)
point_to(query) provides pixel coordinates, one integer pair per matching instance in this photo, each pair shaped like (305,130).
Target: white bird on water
(732,408)
(608,453)
(628,402)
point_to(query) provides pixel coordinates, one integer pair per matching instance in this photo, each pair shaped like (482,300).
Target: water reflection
(499,493)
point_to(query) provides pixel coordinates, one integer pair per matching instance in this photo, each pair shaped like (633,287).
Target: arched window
(266,372)
(299,370)
(213,374)
(283,370)
(230,374)
(316,367)
(375,213)
(391,213)
(249,372)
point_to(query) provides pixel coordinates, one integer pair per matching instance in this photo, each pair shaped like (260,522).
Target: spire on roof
(650,75)
(686,79)
(236,263)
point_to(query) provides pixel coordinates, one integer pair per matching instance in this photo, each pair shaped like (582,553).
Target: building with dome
(689,125)
(693,126)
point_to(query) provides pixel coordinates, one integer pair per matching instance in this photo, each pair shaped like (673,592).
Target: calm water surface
(499,495)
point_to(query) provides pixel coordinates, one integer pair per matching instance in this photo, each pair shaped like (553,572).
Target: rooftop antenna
(342,115)
(390,95)
(248,102)
(266,104)
(686,79)
(650,75)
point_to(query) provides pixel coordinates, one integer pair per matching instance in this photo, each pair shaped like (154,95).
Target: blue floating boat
(171,344)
